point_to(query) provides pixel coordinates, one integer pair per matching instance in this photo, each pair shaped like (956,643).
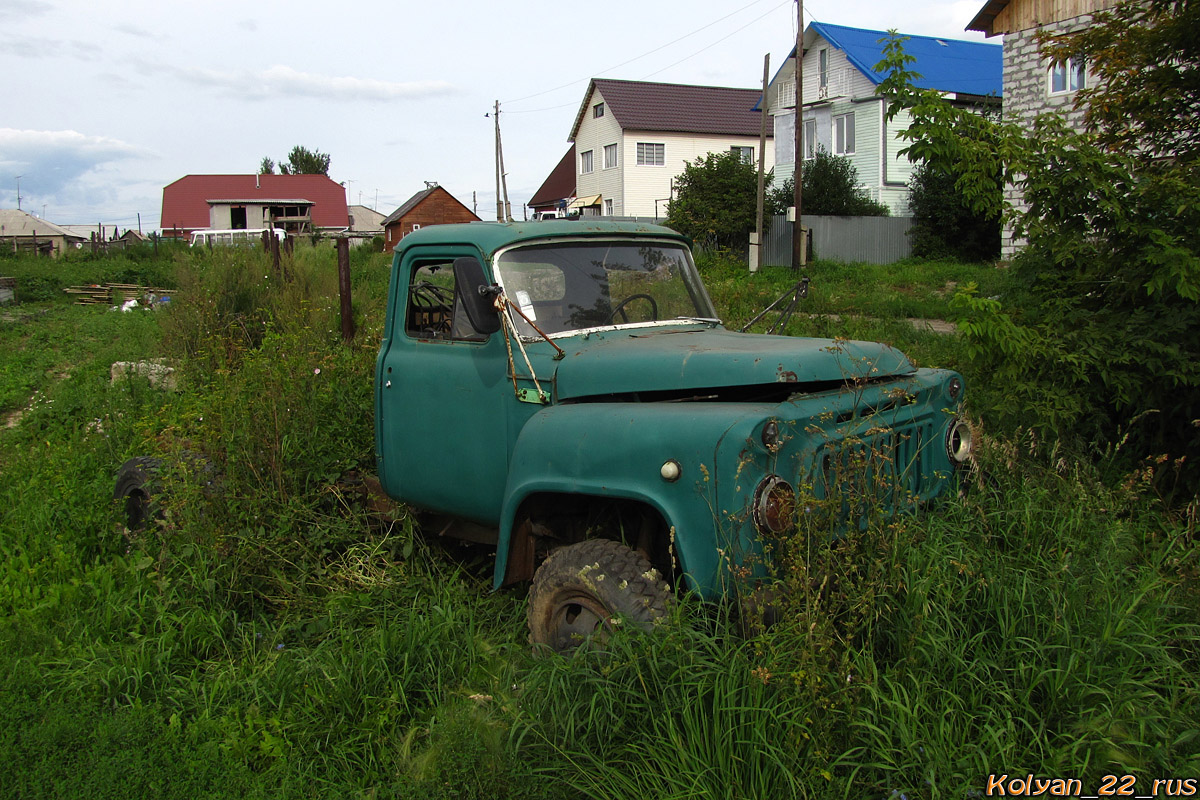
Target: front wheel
(585,589)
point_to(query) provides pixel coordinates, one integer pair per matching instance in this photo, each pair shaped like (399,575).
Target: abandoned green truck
(563,391)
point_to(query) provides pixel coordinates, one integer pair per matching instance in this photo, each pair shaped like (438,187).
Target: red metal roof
(643,106)
(185,202)
(559,185)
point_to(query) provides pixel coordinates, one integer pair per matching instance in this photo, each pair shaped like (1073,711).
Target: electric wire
(643,55)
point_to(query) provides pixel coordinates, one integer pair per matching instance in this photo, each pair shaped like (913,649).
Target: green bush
(829,187)
(715,202)
(944,226)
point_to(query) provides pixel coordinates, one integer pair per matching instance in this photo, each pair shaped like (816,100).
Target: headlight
(958,441)
(774,505)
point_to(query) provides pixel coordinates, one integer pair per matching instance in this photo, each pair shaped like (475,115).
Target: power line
(723,38)
(643,55)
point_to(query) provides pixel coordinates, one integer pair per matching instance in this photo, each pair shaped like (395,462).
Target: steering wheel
(429,295)
(619,308)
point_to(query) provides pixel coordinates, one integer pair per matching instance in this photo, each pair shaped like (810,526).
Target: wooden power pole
(757,248)
(499,201)
(799,250)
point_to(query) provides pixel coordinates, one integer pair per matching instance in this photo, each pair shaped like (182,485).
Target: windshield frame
(690,275)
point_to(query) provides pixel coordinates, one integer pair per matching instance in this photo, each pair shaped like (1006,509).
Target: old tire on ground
(137,484)
(582,590)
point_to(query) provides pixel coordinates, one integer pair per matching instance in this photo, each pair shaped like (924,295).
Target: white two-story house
(842,114)
(633,137)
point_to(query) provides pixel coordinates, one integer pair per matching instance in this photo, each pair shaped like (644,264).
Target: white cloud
(40,47)
(53,163)
(281,81)
(23,8)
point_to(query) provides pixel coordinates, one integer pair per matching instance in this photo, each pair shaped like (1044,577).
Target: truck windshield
(570,287)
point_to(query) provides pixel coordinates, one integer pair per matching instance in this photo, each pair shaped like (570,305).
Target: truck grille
(885,470)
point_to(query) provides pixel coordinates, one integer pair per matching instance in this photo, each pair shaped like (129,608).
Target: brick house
(433,205)
(1032,84)
(299,204)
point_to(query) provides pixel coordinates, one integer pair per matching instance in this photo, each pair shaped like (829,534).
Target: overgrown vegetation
(715,201)
(1102,343)
(944,225)
(829,186)
(273,640)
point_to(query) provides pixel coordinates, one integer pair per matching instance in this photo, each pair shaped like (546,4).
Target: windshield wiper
(707,320)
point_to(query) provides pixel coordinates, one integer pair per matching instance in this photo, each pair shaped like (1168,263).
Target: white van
(246,237)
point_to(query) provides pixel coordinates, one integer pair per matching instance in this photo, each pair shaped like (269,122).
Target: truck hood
(616,362)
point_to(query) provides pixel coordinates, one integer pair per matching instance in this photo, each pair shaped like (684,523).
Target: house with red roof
(558,190)
(300,204)
(633,137)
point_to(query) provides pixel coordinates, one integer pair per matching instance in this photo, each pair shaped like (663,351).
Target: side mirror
(476,295)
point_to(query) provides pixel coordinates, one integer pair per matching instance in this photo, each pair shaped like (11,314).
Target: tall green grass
(272,640)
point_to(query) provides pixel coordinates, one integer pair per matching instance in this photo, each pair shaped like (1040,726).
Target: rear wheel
(582,591)
(137,484)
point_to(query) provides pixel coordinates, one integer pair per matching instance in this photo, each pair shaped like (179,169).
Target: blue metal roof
(947,65)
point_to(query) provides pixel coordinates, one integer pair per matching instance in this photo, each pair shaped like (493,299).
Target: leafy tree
(830,187)
(715,200)
(266,166)
(1146,56)
(302,161)
(944,226)
(1103,341)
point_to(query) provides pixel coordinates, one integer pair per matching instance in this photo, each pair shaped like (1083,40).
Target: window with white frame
(744,153)
(610,156)
(843,134)
(585,162)
(651,154)
(608,208)
(1067,76)
(810,139)
(598,110)
(823,69)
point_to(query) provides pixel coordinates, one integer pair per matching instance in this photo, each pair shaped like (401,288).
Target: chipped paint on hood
(655,360)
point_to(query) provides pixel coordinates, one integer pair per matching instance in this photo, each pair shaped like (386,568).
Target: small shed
(20,231)
(431,206)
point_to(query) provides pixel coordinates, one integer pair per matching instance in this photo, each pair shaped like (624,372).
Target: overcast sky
(103,104)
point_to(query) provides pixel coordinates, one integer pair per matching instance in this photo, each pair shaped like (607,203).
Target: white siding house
(842,114)
(632,138)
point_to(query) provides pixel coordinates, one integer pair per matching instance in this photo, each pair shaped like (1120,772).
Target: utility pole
(503,176)
(756,262)
(19,191)
(499,199)
(799,250)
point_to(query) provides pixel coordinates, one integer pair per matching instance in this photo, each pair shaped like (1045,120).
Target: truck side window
(433,308)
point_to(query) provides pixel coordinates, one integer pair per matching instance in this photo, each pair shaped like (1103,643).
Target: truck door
(442,439)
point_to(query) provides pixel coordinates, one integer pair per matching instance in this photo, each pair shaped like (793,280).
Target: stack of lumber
(105,294)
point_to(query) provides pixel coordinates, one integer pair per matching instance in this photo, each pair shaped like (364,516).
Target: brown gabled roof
(643,106)
(416,200)
(986,16)
(559,185)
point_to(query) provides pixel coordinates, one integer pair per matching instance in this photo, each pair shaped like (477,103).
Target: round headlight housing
(770,435)
(774,505)
(959,441)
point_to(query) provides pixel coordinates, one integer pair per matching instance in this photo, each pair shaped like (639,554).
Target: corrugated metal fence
(874,240)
